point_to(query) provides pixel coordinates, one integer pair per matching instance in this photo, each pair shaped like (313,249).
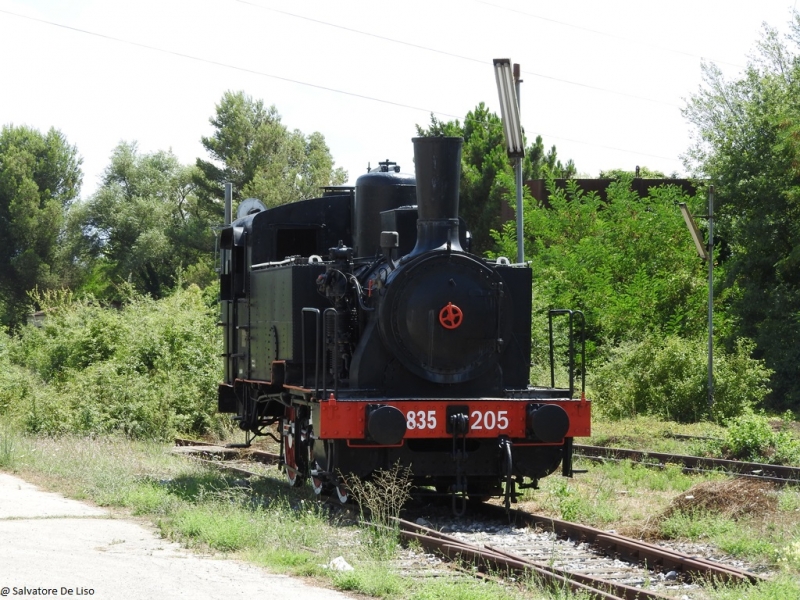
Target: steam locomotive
(359,325)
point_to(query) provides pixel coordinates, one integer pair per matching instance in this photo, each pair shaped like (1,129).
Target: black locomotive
(359,324)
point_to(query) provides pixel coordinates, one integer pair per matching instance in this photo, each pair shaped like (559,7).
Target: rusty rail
(762,471)
(628,549)
(496,560)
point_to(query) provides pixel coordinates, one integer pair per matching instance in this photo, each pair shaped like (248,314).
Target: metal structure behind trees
(706,252)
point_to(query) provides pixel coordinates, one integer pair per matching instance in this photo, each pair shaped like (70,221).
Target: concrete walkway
(51,546)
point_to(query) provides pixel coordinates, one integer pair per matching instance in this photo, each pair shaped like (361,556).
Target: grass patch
(639,501)
(370,579)
(653,434)
(781,588)
(258,520)
(489,590)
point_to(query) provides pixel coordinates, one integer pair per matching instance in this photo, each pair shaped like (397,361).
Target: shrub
(751,436)
(149,369)
(668,377)
(17,385)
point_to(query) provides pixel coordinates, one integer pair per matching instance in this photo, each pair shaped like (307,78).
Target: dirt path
(53,546)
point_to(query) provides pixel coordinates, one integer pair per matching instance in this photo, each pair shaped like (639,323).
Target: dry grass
(731,499)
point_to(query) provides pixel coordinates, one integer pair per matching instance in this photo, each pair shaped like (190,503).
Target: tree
(253,150)
(144,224)
(540,165)
(626,262)
(747,144)
(40,177)
(487,175)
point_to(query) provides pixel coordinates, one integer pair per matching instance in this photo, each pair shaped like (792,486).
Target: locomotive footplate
(382,423)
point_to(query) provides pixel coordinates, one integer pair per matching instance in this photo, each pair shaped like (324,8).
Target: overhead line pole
(518,176)
(507,78)
(706,252)
(710,296)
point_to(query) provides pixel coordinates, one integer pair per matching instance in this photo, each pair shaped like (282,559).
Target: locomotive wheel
(342,493)
(317,485)
(295,473)
(320,485)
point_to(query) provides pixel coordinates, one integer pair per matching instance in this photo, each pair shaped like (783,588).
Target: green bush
(17,385)
(751,436)
(149,369)
(668,377)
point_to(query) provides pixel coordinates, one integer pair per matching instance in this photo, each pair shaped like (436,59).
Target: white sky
(603,81)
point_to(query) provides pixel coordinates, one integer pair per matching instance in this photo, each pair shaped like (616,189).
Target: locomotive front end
(439,379)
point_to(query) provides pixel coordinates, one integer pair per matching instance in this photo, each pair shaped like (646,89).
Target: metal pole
(228,202)
(710,296)
(518,178)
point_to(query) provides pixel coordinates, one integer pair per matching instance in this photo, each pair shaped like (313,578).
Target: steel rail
(626,548)
(762,471)
(187,442)
(227,453)
(223,466)
(493,559)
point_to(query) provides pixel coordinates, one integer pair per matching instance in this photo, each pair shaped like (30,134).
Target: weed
(8,443)
(789,555)
(382,497)
(569,504)
(384,494)
(751,436)
(789,500)
(779,588)
(695,525)
(371,580)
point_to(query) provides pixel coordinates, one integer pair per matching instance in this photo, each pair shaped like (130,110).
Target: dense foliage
(748,146)
(754,436)
(149,369)
(144,226)
(629,265)
(667,377)
(627,262)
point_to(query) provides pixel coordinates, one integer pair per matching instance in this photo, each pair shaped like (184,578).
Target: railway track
(498,560)
(603,564)
(697,464)
(220,457)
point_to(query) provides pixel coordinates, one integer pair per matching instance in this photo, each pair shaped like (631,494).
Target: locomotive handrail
(303,345)
(274,263)
(572,314)
(334,353)
(504,262)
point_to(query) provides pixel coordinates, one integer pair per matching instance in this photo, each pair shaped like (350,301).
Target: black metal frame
(572,314)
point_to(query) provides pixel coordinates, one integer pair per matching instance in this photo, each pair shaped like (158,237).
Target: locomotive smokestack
(437,163)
